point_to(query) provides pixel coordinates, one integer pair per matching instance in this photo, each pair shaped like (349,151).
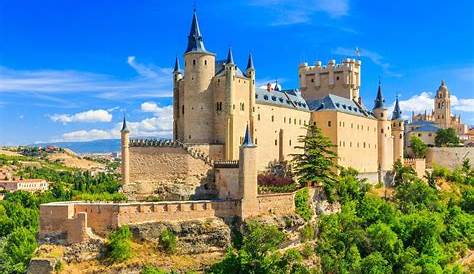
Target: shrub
(119,244)
(307,250)
(272,180)
(302,205)
(152,270)
(168,241)
(307,233)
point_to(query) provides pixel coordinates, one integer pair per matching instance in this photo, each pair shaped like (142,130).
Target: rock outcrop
(199,236)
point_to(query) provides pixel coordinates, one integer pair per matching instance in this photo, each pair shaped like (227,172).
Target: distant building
(30,185)
(426,125)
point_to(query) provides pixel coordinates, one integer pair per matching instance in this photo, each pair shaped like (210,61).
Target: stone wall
(419,165)
(70,221)
(278,203)
(450,157)
(227,182)
(172,173)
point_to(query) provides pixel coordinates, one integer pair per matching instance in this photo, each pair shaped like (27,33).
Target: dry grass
(72,161)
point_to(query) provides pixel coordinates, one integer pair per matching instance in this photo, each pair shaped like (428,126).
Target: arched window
(205,62)
(182,109)
(194,62)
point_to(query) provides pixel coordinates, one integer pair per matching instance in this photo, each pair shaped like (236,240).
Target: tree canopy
(446,137)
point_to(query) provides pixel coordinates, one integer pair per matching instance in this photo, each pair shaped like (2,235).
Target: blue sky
(70,69)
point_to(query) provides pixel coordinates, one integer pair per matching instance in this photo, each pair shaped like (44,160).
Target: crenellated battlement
(154,142)
(342,79)
(226,164)
(345,64)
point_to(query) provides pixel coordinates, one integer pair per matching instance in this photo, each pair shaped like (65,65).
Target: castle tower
(248,176)
(196,100)
(384,137)
(229,106)
(442,106)
(398,128)
(251,76)
(177,76)
(341,79)
(124,140)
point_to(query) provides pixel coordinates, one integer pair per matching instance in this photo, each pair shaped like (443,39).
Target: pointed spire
(397,113)
(250,62)
(443,83)
(230,57)
(176,65)
(195,42)
(124,126)
(277,88)
(248,138)
(379,100)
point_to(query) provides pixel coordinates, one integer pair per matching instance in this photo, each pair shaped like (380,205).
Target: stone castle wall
(278,203)
(172,172)
(450,157)
(71,220)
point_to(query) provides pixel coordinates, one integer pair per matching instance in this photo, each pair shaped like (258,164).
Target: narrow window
(182,109)
(273,118)
(329,123)
(205,62)
(290,142)
(276,142)
(194,62)
(258,117)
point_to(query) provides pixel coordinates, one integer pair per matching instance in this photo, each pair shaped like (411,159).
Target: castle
(214,100)
(209,169)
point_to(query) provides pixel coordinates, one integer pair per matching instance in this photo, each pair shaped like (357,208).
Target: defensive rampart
(450,157)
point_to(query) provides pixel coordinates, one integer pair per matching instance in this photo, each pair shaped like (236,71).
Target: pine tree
(316,164)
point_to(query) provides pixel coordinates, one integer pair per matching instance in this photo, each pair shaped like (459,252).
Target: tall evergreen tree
(317,162)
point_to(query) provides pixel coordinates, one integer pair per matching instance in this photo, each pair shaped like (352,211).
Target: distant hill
(96,146)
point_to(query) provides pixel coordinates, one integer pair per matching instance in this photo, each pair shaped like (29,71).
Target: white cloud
(373,56)
(151,81)
(97,115)
(160,125)
(424,101)
(88,135)
(287,12)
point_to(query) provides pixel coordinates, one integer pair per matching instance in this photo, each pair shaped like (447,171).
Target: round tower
(398,128)
(383,132)
(251,76)
(229,107)
(177,122)
(197,106)
(248,177)
(124,144)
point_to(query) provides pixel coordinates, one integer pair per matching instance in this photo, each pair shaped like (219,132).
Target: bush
(307,233)
(119,244)
(302,205)
(307,250)
(168,241)
(152,270)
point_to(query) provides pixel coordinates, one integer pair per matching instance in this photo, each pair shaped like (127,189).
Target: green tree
(168,241)
(316,164)
(375,263)
(119,244)
(418,147)
(20,245)
(446,137)
(302,204)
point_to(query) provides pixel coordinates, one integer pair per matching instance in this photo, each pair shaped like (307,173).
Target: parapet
(332,65)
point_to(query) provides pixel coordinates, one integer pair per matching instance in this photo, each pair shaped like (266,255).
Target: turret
(177,76)
(196,104)
(250,72)
(230,105)
(385,143)
(248,176)
(124,140)
(397,132)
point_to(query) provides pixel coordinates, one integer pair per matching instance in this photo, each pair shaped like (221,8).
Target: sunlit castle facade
(214,100)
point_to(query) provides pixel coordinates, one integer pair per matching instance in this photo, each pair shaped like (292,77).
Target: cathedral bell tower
(442,106)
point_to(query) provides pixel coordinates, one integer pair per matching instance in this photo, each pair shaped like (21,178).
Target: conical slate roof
(379,100)
(250,63)
(195,41)
(248,139)
(397,113)
(124,126)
